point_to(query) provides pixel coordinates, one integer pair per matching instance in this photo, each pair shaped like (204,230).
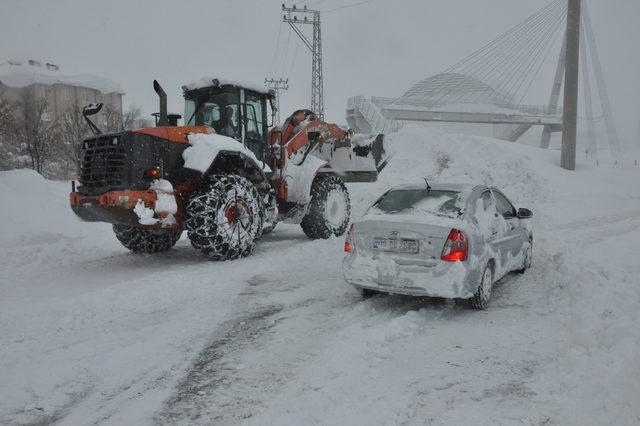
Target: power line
(277,53)
(284,58)
(277,86)
(295,54)
(305,16)
(348,6)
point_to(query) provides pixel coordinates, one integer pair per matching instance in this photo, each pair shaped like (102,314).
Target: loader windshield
(218,110)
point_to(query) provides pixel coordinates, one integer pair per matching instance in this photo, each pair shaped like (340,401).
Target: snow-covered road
(91,334)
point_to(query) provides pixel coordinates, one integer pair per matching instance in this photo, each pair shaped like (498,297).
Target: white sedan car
(445,240)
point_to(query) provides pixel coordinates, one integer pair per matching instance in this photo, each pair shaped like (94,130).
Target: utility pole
(570,113)
(294,16)
(277,86)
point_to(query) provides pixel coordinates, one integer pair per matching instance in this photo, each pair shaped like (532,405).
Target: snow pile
(33,206)
(205,148)
(423,152)
(165,206)
(145,214)
(22,75)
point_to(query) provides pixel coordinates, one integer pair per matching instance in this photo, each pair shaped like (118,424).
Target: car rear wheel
(480,299)
(367,293)
(528,258)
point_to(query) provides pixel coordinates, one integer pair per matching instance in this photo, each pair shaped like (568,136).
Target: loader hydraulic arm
(301,128)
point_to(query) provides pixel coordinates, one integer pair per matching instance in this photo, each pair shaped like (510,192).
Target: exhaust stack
(163,120)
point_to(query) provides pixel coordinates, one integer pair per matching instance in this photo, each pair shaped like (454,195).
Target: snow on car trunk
(429,237)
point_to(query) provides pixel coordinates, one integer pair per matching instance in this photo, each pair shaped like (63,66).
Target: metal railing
(541,110)
(372,115)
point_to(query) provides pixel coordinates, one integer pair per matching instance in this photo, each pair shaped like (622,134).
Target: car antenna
(428,186)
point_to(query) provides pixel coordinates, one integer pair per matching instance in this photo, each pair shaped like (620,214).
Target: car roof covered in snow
(209,81)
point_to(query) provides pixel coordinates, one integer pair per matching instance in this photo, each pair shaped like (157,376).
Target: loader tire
(329,208)
(145,240)
(224,217)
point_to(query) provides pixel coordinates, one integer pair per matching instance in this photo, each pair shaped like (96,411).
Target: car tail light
(456,247)
(347,243)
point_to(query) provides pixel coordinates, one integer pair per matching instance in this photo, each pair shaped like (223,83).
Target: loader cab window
(256,123)
(218,110)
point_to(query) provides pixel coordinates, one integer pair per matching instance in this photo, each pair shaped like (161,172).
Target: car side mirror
(525,214)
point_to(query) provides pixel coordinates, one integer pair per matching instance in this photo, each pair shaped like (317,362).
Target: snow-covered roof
(21,74)
(208,81)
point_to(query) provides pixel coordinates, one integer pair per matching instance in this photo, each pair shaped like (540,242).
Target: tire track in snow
(598,221)
(150,277)
(210,372)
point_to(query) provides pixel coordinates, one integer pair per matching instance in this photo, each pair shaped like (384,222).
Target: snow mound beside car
(422,152)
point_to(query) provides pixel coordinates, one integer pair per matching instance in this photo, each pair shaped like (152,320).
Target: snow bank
(423,152)
(33,206)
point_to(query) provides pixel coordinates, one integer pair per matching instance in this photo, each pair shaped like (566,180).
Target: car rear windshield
(443,203)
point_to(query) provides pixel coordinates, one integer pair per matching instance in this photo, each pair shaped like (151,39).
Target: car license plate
(398,246)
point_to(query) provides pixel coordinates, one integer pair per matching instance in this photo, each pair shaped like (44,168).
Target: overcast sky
(379,48)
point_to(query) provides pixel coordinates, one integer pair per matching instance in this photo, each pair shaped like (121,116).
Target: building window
(67,140)
(102,120)
(67,117)
(44,116)
(67,93)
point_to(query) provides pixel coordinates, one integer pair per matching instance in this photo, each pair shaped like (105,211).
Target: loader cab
(233,111)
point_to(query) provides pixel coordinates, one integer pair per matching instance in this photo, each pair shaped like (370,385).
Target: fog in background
(378,48)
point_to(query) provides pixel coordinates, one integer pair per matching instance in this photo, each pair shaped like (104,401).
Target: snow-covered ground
(92,334)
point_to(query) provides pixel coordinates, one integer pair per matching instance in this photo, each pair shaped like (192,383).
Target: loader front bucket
(357,159)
